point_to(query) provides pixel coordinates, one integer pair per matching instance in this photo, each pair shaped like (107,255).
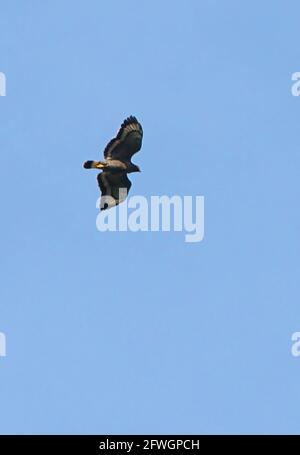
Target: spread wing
(114,188)
(127,142)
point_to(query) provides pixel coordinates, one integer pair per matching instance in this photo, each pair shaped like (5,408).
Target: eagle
(113,181)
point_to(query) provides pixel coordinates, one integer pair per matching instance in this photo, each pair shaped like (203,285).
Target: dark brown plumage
(113,181)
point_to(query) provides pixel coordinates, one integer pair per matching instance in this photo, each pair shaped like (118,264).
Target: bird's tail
(94,165)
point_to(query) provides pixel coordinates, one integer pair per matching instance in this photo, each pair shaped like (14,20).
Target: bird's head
(136,168)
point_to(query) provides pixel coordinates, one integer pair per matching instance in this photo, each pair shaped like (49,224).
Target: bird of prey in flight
(113,181)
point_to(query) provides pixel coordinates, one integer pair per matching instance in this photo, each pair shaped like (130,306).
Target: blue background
(142,332)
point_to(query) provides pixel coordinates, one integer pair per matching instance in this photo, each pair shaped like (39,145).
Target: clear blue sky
(142,332)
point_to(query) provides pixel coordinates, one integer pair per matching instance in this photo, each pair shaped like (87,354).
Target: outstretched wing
(114,188)
(127,142)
